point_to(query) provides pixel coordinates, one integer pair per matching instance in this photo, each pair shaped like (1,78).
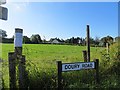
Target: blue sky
(62,19)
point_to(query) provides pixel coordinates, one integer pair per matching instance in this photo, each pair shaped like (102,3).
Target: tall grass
(42,68)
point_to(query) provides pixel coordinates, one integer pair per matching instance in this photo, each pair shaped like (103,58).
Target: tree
(117,39)
(26,39)
(97,41)
(36,39)
(3,33)
(107,39)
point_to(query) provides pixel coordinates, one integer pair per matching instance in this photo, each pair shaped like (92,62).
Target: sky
(62,19)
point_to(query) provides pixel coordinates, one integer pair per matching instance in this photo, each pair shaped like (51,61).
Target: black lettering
(65,66)
(69,66)
(91,64)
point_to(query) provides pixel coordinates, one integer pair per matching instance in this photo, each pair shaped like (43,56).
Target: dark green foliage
(36,39)
(3,33)
(107,39)
(26,40)
(7,40)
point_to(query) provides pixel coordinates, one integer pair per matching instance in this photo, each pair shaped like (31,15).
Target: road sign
(3,13)
(2,2)
(77,66)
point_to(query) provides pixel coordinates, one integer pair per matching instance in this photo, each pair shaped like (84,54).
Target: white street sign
(77,66)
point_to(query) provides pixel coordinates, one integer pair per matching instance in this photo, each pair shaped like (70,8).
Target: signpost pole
(97,70)
(59,65)
(88,44)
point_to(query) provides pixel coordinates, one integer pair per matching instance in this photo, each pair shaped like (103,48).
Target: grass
(41,65)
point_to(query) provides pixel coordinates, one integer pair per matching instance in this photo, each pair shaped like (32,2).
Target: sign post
(65,67)
(97,70)
(17,56)
(59,64)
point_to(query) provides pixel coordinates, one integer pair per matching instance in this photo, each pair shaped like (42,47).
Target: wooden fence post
(97,71)
(22,73)
(107,48)
(59,66)
(85,55)
(88,44)
(12,70)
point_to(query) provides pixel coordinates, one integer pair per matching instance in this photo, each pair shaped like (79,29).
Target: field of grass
(41,65)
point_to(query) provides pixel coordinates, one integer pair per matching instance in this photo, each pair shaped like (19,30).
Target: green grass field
(41,64)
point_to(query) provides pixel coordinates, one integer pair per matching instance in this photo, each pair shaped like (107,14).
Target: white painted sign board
(77,66)
(18,39)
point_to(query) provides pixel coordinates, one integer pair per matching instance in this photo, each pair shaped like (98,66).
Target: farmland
(41,65)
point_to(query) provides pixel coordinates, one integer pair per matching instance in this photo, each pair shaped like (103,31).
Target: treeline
(36,39)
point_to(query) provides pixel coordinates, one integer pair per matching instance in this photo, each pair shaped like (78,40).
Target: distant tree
(97,40)
(92,41)
(3,33)
(107,39)
(117,39)
(36,39)
(26,40)
(67,41)
(44,39)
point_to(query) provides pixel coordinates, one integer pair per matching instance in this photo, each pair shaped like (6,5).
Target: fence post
(107,48)
(12,70)
(85,55)
(22,73)
(88,44)
(97,71)
(59,66)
